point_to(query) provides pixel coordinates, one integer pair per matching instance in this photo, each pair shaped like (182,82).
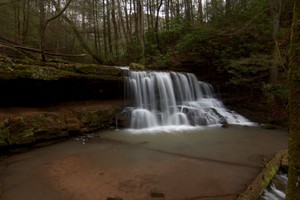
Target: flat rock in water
(114,198)
(156,193)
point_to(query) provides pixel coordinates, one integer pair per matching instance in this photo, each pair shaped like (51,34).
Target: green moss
(19,132)
(37,127)
(4,134)
(37,72)
(136,66)
(246,71)
(98,69)
(268,126)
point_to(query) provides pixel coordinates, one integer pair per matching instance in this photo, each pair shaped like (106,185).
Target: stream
(184,165)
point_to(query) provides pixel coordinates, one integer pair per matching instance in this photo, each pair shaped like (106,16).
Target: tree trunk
(97,42)
(141,26)
(157,24)
(228,9)
(25,21)
(200,12)
(121,18)
(82,41)
(109,37)
(167,11)
(104,29)
(275,11)
(42,29)
(257,187)
(76,31)
(115,27)
(151,25)
(293,191)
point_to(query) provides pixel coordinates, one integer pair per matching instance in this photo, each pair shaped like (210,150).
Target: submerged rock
(114,198)
(156,193)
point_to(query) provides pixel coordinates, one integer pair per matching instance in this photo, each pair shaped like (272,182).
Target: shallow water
(182,164)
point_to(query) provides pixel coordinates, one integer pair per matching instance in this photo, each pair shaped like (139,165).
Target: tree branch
(6,3)
(58,14)
(17,46)
(79,36)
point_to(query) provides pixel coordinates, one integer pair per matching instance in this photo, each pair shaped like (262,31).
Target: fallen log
(34,50)
(47,52)
(257,187)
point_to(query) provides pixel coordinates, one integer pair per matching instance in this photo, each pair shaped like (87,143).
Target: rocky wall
(23,126)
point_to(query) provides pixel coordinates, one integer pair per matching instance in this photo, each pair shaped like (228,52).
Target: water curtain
(174,99)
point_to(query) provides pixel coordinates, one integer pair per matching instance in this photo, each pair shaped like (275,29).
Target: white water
(274,193)
(169,99)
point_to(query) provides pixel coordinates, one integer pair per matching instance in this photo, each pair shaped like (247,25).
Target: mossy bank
(26,126)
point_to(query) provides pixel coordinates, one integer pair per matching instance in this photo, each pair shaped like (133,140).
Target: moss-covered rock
(62,121)
(136,66)
(18,131)
(56,72)
(4,134)
(268,126)
(34,84)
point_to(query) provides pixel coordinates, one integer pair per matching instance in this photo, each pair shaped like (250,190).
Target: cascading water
(174,99)
(276,191)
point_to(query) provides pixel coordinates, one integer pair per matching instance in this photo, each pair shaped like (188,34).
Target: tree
(200,12)
(275,12)
(44,23)
(293,191)
(115,27)
(140,7)
(77,32)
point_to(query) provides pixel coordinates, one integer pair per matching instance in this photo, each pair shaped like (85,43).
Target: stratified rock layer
(23,126)
(43,101)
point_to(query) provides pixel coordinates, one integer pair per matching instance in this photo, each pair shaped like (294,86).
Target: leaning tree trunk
(293,191)
(82,41)
(76,31)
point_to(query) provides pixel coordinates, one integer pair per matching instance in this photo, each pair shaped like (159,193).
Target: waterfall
(174,99)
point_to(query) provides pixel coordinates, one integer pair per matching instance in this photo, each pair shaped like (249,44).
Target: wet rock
(136,66)
(32,127)
(225,124)
(122,120)
(156,193)
(46,84)
(268,126)
(114,198)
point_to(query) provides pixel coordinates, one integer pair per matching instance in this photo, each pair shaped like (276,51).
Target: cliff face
(40,102)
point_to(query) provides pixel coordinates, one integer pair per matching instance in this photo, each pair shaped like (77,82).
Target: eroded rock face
(43,101)
(30,126)
(32,85)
